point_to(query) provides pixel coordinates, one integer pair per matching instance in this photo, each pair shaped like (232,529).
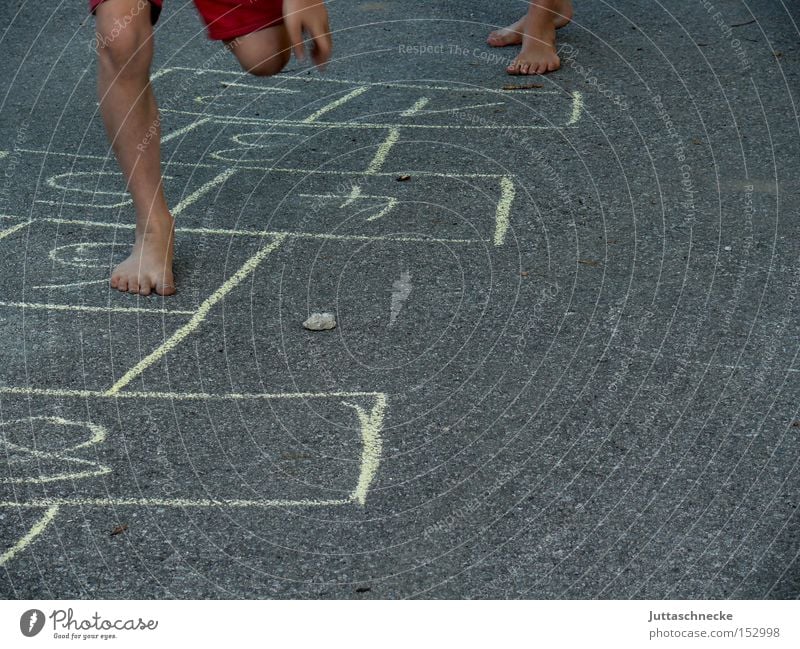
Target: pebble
(320,322)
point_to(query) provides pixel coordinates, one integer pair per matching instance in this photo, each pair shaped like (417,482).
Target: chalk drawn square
(190,450)
(227,453)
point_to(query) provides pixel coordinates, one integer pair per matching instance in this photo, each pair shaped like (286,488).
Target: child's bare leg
(538,55)
(262,53)
(130,115)
(512,35)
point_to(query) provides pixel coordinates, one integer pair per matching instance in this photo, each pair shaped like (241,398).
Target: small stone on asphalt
(320,322)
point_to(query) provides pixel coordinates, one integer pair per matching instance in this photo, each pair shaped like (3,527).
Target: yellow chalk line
(161,72)
(90,309)
(197,319)
(185,129)
(98,436)
(55,503)
(35,531)
(289,170)
(52,181)
(270,233)
(335,104)
(349,82)
(390,205)
(383,152)
(97,470)
(182,396)
(463,108)
(104,206)
(503,215)
(260,88)
(227,119)
(74,284)
(577,107)
(371,446)
(3,154)
(202,191)
(371,425)
(354,194)
(13,229)
(418,106)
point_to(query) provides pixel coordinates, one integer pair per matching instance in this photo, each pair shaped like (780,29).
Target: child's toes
(165,288)
(133,286)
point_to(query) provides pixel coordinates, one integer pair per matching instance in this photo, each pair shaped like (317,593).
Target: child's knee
(124,43)
(264,67)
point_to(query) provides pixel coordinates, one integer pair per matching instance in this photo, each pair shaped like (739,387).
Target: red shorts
(226,19)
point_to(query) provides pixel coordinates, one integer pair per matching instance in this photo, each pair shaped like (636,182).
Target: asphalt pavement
(566,356)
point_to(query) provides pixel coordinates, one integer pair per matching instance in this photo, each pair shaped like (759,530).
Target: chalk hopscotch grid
(370,422)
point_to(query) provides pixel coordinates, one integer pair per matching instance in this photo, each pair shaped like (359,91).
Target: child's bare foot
(149,267)
(512,35)
(538,55)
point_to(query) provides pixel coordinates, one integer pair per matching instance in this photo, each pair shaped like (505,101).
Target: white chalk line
(335,104)
(383,152)
(34,532)
(91,309)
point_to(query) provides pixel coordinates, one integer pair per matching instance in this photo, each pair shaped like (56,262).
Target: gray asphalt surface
(599,402)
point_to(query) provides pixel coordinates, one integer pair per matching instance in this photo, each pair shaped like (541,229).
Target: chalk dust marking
(198,318)
(30,536)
